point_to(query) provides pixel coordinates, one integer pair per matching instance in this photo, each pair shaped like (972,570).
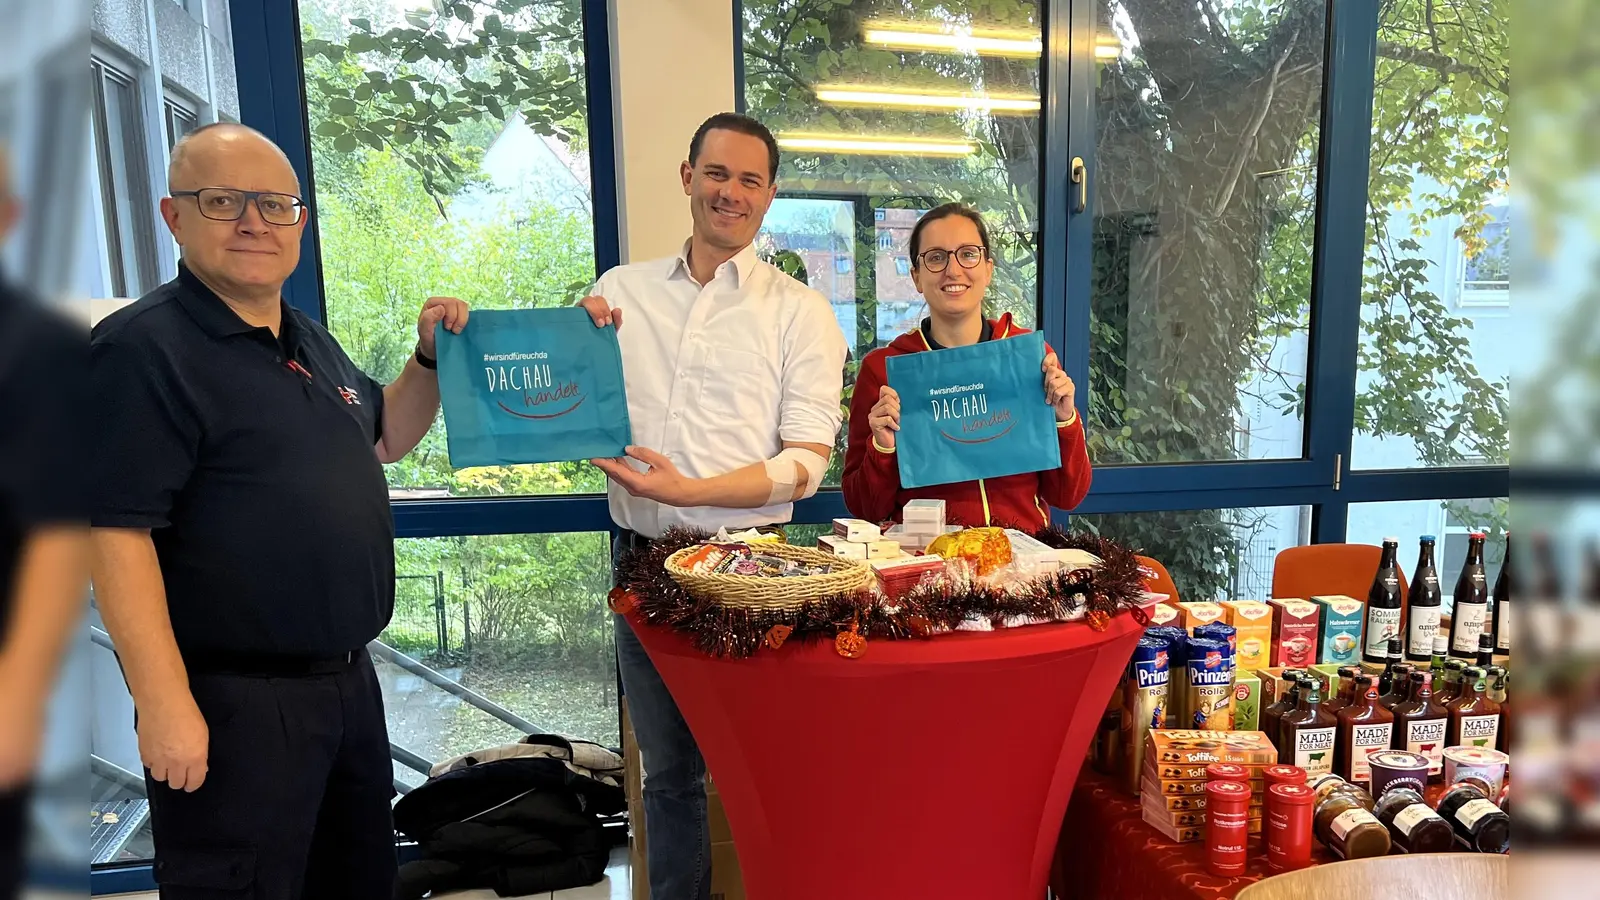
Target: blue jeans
(679,849)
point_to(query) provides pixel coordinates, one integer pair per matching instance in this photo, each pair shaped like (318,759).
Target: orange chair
(1320,570)
(1162,583)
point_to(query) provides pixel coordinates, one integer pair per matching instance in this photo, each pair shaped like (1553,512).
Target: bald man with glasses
(243,547)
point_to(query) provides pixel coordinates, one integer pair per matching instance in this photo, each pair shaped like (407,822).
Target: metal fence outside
(420,625)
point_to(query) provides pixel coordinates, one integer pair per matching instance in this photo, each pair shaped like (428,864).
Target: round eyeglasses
(968,255)
(228,204)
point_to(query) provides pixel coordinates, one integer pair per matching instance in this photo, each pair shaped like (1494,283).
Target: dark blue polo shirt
(250,457)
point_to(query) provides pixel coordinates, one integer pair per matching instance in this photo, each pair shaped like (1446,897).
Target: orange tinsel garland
(644,585)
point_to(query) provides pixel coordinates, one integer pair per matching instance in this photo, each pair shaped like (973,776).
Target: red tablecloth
(1107,851)
(929,769)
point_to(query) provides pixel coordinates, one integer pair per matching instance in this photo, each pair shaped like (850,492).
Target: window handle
(1080,177)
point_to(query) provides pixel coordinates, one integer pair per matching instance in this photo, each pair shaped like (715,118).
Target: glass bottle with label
(1385,606)
(1447,690)
(1347,690)
(1485,650)
(1471,611)
(1420,724)
(1399,690)
(1364,726)
(1413,826)
(1423,604)
(1500,694)
(1474,717)
(1345,824)
(1441,652)
(1478,823)
(1288,698)
(1500,607)
(1309,733)
(1397,657)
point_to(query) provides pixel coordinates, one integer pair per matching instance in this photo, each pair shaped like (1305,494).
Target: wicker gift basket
(773,594)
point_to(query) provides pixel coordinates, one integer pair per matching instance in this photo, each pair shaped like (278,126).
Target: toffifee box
(1190,788)
(1339,639)
(1296,628)
(1191,748)
(1152,798)
(1191,833)
(1155,812)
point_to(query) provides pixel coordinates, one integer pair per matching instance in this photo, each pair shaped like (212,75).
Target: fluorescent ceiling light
(977,44)
(910,99)
(843,143)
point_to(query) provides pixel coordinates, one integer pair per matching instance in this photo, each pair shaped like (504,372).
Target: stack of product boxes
(858,539)
(1320,635)
(896,570)
(1172,786)
(921,521)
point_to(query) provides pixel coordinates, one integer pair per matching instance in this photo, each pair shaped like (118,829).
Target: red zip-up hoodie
(872,477)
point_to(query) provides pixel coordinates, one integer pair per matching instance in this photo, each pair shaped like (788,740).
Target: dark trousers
(13,840)
(295,805)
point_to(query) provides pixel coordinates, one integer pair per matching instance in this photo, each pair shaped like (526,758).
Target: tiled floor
(615,886)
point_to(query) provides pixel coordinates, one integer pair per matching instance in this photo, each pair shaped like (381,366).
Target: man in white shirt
(734,372)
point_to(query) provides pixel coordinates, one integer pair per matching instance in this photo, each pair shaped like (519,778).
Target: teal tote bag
(973,412)
(531,386)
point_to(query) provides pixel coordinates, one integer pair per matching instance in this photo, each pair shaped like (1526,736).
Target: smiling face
(956,292)
(248,256)
(729,188)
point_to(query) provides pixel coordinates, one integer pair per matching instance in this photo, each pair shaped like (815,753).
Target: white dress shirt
(720,376)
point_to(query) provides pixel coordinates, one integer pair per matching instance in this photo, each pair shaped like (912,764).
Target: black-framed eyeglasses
(228,204)
(968,255)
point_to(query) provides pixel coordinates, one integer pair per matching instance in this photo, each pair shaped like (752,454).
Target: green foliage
(405,85)
(1202,262)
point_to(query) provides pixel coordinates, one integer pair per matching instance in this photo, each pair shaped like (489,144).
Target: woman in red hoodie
(951,265)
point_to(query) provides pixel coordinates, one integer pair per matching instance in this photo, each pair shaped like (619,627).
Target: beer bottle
(1364,726)
(1309,733)
(1423,604)
(1485,650)
(1384,606)
(1474,717)
(1500,627)
(1420,725)
(1471,608)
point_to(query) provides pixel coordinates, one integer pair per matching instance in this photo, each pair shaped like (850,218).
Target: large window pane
(1437,336)
(520,620)
(451,157)
(1204,202)
(1212,554)
(1451,521)
(125,196)
(883,113)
